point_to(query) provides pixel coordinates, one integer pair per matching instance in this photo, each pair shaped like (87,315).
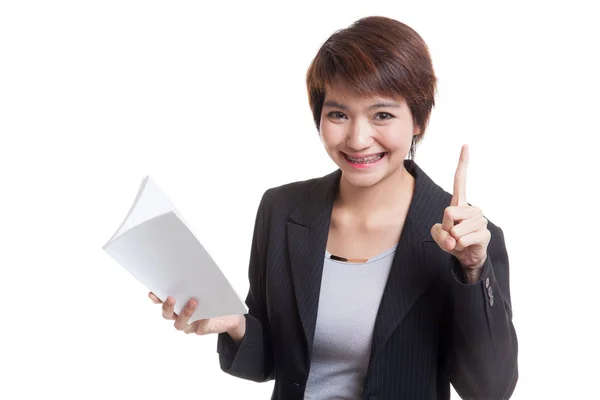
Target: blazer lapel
(411,273)
(307,233)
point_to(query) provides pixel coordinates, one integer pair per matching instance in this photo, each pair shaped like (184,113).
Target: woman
(372,281)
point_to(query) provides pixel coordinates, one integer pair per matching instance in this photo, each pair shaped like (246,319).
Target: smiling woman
(372,281)
(375,57)
(367,134)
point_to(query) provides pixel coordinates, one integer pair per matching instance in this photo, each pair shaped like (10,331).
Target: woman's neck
(392,193)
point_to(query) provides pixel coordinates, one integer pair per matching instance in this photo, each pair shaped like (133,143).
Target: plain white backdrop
(210,100)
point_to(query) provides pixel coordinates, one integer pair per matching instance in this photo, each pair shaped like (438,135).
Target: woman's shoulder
(300,187)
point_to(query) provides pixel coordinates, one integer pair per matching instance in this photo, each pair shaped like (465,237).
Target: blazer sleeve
(252,358)
(483,348)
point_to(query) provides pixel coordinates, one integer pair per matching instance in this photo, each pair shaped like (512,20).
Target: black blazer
(431,328)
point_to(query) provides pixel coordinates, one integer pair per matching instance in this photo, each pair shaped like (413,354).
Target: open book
(159,249)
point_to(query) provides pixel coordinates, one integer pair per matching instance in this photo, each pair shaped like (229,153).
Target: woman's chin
(368,177)
(362,179)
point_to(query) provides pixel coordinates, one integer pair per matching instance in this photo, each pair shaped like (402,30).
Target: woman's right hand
(235,325)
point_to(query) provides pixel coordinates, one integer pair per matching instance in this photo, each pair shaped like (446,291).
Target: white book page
(149,203)
(157,247)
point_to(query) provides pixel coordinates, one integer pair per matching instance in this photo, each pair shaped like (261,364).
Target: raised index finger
(459,196)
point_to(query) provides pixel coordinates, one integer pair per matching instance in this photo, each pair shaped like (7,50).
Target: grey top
(348,304)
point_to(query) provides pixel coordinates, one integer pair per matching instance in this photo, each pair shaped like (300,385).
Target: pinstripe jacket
(431,329)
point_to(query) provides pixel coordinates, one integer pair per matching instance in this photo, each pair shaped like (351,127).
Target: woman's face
(368,138)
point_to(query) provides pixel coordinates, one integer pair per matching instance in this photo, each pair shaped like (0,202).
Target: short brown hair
(376,56)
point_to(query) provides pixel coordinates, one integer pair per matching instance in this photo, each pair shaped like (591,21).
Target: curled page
(159,249)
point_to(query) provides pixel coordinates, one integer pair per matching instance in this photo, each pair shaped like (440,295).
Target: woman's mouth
(363,162)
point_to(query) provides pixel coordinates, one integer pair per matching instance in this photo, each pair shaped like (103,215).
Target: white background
(210,101)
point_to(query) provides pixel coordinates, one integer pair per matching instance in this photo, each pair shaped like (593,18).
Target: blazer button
(487,282)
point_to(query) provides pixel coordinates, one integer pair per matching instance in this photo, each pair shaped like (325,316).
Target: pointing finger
(459,196)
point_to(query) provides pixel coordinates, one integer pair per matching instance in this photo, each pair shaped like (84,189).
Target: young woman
(372,281)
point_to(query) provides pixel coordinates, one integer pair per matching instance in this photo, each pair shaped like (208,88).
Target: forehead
(348,94)
(340,90)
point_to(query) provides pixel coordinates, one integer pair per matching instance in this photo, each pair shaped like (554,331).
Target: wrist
(237,332)
(472,275)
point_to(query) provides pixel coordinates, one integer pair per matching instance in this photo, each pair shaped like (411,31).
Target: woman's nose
(360,135)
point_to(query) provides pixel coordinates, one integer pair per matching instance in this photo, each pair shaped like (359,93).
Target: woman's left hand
(463,231)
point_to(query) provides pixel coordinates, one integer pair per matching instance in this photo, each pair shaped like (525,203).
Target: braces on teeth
(366,159)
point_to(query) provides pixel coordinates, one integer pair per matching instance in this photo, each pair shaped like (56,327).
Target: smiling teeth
(366,160)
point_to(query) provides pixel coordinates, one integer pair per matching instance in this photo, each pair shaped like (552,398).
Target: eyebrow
(385,104)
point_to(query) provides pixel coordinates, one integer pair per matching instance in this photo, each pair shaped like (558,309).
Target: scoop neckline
(369,261)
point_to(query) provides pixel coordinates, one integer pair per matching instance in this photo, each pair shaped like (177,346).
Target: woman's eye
(336,115)
(383,116)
